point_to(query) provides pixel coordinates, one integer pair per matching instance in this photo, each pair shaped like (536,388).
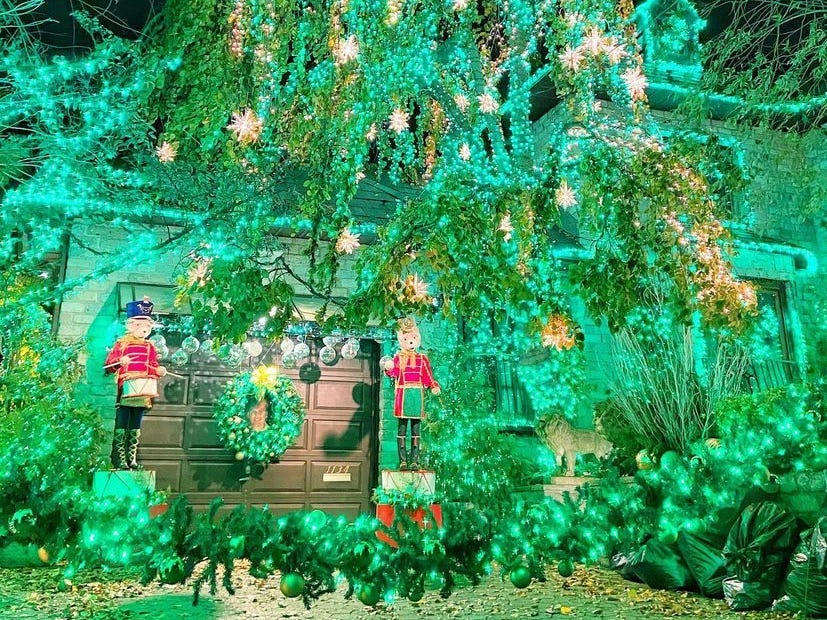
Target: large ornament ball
(237,356)
(157,339)
(330,341)
(694,526)
(253,348)
(644,460)
(565,568)
(350,349)
(162,350)
(416,594)
(316,519)
(301,350)
(190,344)
(384,361)
(239,456)
(369,595)
(179,358)
(327,355)
(206,346)
(292,585)
(289,360)
(668,536)
(287,346)
(520,577)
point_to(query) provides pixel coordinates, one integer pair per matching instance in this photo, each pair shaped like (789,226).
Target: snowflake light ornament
(506,227)
(565,196)
(487,103)
(415,289)
(246,126)
(346,50)
(347,242)
(399,120)
(571,58)
(166,152)
(636,83)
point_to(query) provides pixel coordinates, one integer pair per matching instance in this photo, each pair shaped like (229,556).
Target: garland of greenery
(235,412)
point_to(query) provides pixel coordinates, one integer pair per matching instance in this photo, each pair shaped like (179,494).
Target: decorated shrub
(49,438)
(780,429)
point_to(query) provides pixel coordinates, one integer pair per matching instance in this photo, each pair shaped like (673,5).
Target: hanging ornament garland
(259,415)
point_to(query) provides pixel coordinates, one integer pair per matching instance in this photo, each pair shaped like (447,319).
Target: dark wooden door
(331,466)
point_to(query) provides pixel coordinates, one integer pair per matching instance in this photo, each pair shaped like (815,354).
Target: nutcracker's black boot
(132,437)
(118,454)
(415,453)
(403,453)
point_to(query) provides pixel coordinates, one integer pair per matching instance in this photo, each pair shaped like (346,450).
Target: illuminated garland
(259,415)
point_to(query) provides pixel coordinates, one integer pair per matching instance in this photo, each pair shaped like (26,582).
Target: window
(778,368)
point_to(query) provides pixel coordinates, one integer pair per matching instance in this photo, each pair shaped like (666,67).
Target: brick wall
(91,313)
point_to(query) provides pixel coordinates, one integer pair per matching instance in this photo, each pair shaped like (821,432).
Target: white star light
(593,42)
(487,103)
(346,50)
(462,102)
(571,58)
(506,227)
(416,288)
(166,152)
(465,152)
(565,196)
(399,120)
(636,82)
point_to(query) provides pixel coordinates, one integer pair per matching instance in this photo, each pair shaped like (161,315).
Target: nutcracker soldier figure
(134,361)
(413,375)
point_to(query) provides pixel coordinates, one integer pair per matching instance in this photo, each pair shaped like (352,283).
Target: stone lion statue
(567,442)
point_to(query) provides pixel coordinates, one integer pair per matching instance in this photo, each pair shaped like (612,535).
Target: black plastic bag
(805,589)
(756,554)
(705,559)
(661,566)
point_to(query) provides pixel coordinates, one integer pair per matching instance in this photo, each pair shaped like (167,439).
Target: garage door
(331,466)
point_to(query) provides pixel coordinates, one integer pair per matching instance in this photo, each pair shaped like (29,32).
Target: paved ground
(590,593)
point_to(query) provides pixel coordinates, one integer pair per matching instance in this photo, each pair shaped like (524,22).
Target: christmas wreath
(259,415)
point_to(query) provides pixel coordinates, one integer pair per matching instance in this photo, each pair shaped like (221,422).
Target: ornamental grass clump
(666,393)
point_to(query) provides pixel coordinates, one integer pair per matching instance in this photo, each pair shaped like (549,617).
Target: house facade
(781,241)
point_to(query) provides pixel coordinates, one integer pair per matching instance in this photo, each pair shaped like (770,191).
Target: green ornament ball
(668,536)
(644,460)
(292,585)
(172,575)
(64,585)
(670,460)
(416,594)
(369,595)
(565,568)
(520,577)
